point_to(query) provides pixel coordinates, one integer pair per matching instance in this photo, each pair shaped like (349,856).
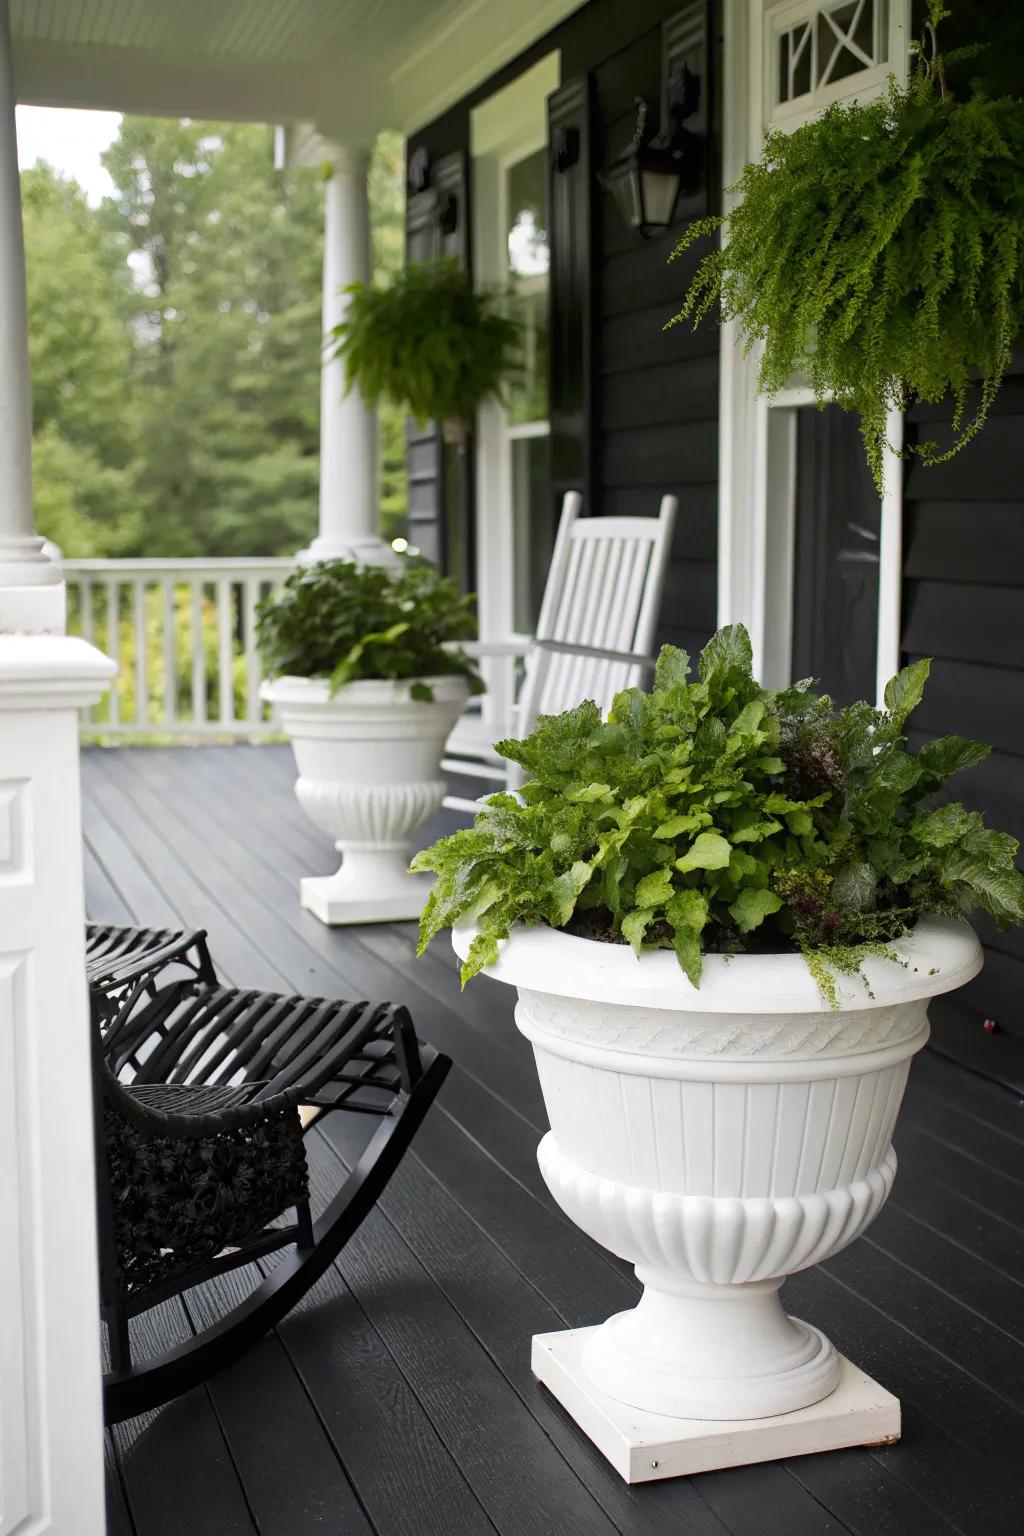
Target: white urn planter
(720,1139)
(369,762)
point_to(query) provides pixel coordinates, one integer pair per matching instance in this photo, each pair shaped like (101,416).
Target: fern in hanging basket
(879,251)
(428,343)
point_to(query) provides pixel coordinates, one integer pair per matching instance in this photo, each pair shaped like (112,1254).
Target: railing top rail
(225,566)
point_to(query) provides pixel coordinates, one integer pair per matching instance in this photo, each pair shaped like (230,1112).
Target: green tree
(227,253)
(86,436)
(176,336)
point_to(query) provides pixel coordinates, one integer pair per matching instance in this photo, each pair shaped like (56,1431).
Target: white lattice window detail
(821,52)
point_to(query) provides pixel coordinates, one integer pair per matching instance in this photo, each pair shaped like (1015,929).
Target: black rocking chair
(200,1143)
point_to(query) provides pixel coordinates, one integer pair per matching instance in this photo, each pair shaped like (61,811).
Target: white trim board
(509,125)
(343,81)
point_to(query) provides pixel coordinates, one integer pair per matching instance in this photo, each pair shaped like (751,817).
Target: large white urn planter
(720,1139)
(369,762)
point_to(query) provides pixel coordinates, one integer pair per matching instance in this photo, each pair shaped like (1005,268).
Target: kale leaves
(712,815)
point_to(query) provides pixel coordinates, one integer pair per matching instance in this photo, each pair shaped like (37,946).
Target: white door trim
(503,129)
(757,460)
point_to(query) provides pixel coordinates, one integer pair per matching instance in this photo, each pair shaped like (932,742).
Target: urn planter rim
(315,691)
(941,954)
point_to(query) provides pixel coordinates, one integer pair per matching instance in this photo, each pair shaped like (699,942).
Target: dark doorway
(835,586)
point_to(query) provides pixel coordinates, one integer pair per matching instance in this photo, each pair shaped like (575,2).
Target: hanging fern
(427,342)
(879,251)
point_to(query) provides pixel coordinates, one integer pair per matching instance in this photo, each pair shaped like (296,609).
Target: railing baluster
(253,670)
(85,620)
(85,609)
(197,593)
(225,653)
(141,678)
(113,649)
(170,655)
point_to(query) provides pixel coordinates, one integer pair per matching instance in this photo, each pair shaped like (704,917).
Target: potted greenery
(725,910)
(429,343)
(368,680)
(879,251)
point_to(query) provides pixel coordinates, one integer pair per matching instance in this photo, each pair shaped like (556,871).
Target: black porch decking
(398,1398)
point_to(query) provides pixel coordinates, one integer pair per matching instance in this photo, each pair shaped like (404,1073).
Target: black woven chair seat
(178,1203)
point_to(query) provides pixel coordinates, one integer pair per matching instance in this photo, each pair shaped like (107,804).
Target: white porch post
(31,593)
(51,1445)
(348,429)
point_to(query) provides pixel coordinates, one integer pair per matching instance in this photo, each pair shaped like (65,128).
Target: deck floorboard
(397,1398)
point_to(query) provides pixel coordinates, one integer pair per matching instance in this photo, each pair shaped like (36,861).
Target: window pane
(527,392)
(527,222)
(533,528)
(528,260)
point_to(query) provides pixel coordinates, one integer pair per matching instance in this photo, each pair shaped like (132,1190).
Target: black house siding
(963,605)
(654,399)
(657,427)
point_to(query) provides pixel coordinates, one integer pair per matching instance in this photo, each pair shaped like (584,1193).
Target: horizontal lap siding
(655,395)
(963,605)
(657,414)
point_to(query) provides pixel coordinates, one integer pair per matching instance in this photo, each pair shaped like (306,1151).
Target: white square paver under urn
(645,1446)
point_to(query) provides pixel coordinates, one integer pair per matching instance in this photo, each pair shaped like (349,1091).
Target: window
(823,52)
(527,429)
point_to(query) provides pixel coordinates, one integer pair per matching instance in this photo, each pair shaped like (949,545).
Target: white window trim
(868,82)
(504,129)
(757,437)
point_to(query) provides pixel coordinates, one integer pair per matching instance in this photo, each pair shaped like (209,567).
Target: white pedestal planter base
(732,1352)
(644,1446)
(391,896)
(369,761)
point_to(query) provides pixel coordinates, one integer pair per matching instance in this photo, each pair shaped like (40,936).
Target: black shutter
(573,355)
(440,474)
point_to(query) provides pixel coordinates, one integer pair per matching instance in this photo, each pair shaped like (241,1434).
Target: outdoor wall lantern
(647,178)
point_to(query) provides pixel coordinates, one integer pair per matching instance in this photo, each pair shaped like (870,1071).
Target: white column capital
(346,156)
(51,672)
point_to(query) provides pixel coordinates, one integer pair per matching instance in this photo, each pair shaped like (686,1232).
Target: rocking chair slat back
(602,595)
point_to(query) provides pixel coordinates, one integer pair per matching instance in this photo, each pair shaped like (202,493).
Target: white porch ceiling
(349,66)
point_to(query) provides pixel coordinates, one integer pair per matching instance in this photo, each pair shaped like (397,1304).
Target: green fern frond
(879,250)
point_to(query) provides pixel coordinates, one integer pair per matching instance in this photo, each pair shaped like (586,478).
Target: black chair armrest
(133,964)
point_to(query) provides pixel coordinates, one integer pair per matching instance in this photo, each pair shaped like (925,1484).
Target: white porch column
(348,429)
(51,1443)
(31,591)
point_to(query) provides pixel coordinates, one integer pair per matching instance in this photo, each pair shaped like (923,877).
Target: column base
(644,1446)
(366,549)
(37,609)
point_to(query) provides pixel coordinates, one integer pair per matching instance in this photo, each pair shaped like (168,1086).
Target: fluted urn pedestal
(720,1139)
(369,762)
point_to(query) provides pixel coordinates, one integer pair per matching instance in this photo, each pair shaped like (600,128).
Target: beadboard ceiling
(349,66)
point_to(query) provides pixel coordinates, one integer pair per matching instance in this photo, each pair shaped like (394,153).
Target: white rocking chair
(596,626)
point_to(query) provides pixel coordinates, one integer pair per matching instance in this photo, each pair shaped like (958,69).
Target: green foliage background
(175,345)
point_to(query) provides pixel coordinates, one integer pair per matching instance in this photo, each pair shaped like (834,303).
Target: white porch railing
(183,635)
